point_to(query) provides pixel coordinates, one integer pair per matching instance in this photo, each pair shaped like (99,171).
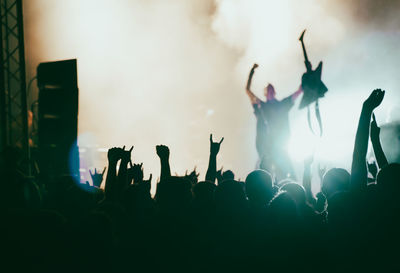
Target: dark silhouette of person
(273,131)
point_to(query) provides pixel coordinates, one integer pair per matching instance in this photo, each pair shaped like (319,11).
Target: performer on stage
(273,128)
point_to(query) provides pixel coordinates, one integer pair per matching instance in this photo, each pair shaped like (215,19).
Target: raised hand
(375,130)
(214,146)
(162,151)
(97,177)
(135,172)
(374,100)
(359,172)
(212,163)
(193,176)
(126,155)
(163,154)
(255,66)
(111,187)
(114,154)
(146,184)
(372,168)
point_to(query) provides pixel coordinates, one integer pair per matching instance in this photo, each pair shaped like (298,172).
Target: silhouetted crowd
(53,224)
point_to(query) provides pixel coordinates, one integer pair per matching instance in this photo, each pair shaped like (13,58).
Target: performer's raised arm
(253,98)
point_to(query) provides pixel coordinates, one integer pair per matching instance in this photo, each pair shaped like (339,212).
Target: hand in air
(146,184)
(375,130)
(126,155)
(255,66)
(114,154)
(97,177)
(372,168)
(193,176)
(214,146)
(374,100)
(135,172)
(162,151)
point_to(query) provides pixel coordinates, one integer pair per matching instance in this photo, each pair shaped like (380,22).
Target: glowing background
(174,71)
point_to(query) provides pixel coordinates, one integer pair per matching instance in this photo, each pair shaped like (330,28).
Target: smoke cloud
(172,72)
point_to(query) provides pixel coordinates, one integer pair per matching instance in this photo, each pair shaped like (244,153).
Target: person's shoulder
(287,101)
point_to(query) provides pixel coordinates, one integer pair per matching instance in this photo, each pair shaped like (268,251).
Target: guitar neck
(306,61)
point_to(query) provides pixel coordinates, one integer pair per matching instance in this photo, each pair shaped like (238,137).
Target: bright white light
(145,67)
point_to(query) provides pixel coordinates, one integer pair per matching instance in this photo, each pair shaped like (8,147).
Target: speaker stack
(58,118)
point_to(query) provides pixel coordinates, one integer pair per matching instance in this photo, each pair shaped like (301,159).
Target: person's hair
(296,191)
(335,180)
(229,195)
(259,187)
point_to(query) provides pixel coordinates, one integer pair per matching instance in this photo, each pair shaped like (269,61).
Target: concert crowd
(210,222)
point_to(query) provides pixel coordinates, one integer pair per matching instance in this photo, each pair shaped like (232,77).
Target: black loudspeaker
(58,118)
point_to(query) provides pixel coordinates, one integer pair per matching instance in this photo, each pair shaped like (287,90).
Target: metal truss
(13,104)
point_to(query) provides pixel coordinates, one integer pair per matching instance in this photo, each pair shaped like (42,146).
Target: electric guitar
(313,87)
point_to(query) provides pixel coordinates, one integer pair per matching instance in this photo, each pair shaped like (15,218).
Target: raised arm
(307,180)
(163,154)
(212,163)
(113,155)
(122,178)
(253,98)
(359,172)
(376,144)
(97,177)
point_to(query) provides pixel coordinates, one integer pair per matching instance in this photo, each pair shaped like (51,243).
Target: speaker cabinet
(58,118)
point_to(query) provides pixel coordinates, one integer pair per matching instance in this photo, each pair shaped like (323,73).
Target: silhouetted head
(296,191)
(269,92)
(203,192)
(259,187)
(283,209)
(388,179)
(335,180)
(174,193)
(228,175)
(229,196)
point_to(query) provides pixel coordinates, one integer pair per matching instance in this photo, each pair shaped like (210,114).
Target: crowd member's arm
(163,154)
(376,144)
(122,179)
(320,204)
(135,173)
(113,155)
(359,173)
(253,98)
(212,163)
(307,181)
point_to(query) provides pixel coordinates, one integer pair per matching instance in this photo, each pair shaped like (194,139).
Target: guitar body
(313,87)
